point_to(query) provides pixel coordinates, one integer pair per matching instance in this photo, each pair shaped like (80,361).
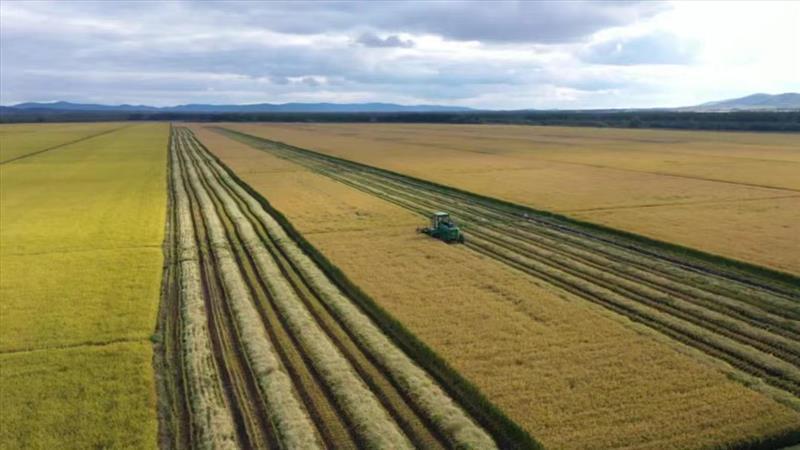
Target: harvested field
(607,176)
(266,350)
(75,328)
(571,372)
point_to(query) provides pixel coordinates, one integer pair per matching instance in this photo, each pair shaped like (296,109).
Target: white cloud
(490,55)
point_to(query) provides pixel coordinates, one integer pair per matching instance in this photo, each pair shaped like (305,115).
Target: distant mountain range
(755,102)
(254,108)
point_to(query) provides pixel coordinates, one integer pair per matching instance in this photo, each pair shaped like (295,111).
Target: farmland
(700,189)
(80,250)
(265,350)
(693,366)
(299,309)
(26,140)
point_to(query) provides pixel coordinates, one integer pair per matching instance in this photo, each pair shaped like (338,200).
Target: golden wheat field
(572,374)
(733,194)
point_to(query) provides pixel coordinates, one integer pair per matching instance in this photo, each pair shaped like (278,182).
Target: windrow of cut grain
(424,392)
(787,374)
(211,417)
(290,419)
(614,281)
(749,302)
(372,421)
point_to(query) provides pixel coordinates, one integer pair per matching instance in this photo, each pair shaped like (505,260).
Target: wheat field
(523,343)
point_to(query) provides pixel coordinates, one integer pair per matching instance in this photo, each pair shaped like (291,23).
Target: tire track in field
(228,229)
(752,326)
(674,175)
(56,147)
(673,204)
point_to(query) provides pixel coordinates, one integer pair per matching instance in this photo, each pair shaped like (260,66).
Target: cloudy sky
(497,55)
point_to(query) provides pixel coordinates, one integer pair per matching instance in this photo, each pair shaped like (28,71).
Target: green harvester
(443,228)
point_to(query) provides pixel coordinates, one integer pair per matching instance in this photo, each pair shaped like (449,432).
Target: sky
(492,55)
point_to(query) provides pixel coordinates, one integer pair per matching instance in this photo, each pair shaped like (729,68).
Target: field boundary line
(657,205)
(56,147)
(665,174)
(638,141)
(83,250)
(75,345)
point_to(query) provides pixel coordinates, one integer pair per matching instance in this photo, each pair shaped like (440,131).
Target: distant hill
(787,101)
(67,106)
(254,108)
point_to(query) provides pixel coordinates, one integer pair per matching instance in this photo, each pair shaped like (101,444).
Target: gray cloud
(370,39)
(654,48)
(499,54)
(516,21)
(492,21)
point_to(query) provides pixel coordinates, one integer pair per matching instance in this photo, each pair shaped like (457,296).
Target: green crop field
(80,249)
(23,140)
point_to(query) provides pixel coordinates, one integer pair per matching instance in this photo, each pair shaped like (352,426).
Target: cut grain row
(371,421)
(290,420)
(448,417)
(213,423)
(323,379)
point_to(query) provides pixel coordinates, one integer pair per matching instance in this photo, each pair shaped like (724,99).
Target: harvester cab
(443,228)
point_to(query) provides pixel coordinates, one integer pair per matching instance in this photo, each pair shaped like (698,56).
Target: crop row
(266,333)
(424,393)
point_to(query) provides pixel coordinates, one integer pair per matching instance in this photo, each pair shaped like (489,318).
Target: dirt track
(746,320)
(289,362)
